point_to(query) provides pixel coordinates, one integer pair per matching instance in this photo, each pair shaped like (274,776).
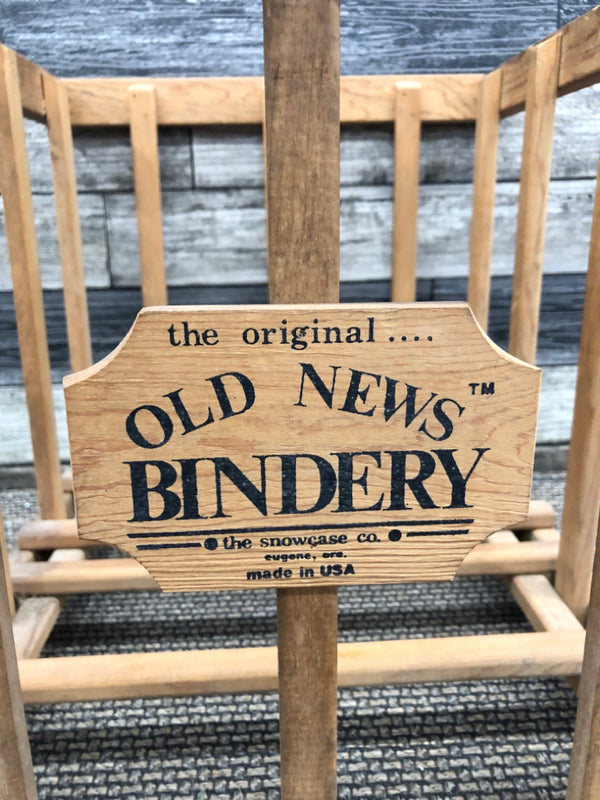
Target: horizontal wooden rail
(126,574)
(223,101)
(76,678)
(579,62)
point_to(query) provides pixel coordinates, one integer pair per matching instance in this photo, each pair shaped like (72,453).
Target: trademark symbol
(483,388)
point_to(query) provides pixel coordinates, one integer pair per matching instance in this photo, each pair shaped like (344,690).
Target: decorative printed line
(438,533)
(284,528)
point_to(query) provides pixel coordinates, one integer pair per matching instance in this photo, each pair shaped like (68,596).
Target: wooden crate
(563,63)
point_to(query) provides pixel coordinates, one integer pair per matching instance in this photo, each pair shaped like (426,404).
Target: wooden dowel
(33,624)
(254,669)
(484,194)
(67,223)
(22,247)
(6,566)
(582,487)
(302,136)
(144,143)
(126,574)
(17,781)
(407,139)
(584,774)
(533,196)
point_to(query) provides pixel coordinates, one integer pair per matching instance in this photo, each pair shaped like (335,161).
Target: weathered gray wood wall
(213,180)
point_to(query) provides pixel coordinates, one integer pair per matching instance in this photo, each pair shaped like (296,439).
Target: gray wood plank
(103,160)
(218,237)
(216,38)
(91,210)
(569,9)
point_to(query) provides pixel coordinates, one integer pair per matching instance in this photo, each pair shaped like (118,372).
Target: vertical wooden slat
(302,125)
(7,578)
(22,248)
(582,488)
(67,222)
(17,780)
(484,193)
(407,139)
(535,177)
(144,143)
(584,774)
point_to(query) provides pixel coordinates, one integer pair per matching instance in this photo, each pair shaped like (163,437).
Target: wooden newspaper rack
(525,555)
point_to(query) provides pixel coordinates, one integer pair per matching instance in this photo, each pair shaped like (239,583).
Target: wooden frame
(563,63)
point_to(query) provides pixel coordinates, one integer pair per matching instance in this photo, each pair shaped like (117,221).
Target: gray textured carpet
(496,739)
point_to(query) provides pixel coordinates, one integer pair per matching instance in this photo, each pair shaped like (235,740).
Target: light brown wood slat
(580,60)
(514,83)
(67,223)
(33,624)
(302,136)
(230,101)
(541,515)
(72,679)
(6,566)
(407,136)
(533,197)
(125,574)
(17,781)
(144,143)
(31,325)
(484,193)
(32,94)
(584,773)
(582,487)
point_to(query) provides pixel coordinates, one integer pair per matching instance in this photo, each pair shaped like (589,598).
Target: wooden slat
(533,196)
(6,567)
(125,574)
(32,93)
(484,193)
(72,679)
(542,605)
(582,487)
(18,214)
(17,781)
(407,135)
(302,170)
(584,774)
(580,60)
(226,101)
(144,143)
(67,223)
(33,624)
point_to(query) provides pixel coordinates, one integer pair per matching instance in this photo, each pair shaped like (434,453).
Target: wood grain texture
(95,254)
(437,347)
(119,38)
(10,595)
(144,145)
(126,574)
(302,177)
(543,65)
(238,100)
(407,135)
(459,658)
(484,192)
(582,489)
(584,773)
(17,780)
(67,223)
(22,245)
(33,623)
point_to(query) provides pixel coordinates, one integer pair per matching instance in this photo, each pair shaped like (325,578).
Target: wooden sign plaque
(279,446)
